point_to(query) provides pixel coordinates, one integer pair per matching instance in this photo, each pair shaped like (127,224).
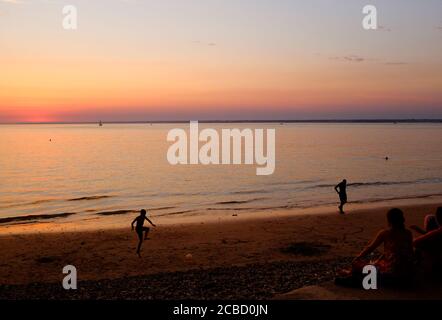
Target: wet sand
(281,253)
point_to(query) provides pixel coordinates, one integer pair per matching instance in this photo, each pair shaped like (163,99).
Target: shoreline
(308,241)
(55,223)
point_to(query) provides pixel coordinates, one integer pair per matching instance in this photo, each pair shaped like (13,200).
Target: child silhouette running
(140,228)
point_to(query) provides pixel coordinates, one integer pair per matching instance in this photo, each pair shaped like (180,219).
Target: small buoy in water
(386,158)
(189,256)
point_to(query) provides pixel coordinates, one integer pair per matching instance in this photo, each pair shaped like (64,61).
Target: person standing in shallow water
(341,189)
(140,228)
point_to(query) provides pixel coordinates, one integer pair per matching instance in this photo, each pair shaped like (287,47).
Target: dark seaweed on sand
(307,249)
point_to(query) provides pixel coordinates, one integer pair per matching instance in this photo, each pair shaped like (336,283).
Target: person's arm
(150,222)
(336,188)
(428,238)
(378,240)
(132,224)
(418,229)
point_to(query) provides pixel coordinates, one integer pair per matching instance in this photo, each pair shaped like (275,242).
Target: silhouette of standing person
(341,189)
(140,228)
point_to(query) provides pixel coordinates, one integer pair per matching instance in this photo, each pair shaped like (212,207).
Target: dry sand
(110,254)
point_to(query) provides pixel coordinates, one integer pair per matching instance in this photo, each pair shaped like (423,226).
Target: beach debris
(307,249)
(233,241)
(188,256)
(46,259)
(234,215)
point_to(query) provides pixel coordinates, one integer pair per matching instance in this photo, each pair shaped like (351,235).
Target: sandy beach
(242,129)
(247,258)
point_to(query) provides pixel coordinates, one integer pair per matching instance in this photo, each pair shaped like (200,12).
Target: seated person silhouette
(429,249)
(140,228)
(431,222)
(395,266)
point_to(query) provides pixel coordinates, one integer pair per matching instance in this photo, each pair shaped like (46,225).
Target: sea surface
(87,174)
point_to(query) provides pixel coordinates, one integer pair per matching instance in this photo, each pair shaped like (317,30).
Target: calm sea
(88,174)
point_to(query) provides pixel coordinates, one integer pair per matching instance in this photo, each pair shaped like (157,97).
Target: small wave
(89,198)
(35,217)
(239,201)
(379,183)
(41,201)
(294,182)
(252,191)
(121,212)
(174,213)
(251,208)
(180,194)
(423,196)
(160,208)
(116,212)
(23,204)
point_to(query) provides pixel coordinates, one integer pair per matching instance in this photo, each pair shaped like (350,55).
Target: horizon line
(374,120)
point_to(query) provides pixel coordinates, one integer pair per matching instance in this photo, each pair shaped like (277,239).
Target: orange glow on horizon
(143,59)
(57,89)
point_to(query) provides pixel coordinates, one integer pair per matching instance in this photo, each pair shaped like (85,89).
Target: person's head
(143,212)
(396,218)
(430,223)
(439,216)
(345,181)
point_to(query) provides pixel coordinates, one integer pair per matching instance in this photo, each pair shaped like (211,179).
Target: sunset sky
(219,59)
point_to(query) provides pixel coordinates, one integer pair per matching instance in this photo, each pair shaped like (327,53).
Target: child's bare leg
(140,237)
(146,232)
(139,247)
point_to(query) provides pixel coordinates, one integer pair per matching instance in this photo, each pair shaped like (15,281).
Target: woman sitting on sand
(429,249)
(396,263)
(431,222)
